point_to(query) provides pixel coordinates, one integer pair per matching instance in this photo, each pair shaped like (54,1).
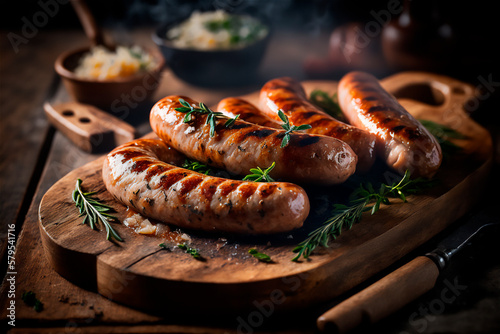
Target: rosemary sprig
(204,110)
(345,216)
(289,129)
(94,211)
(260,175)
(197,167)
(260,256)
(328,103)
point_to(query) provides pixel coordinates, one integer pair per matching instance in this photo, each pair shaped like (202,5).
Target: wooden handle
(381,298)
(89,128)
(89,24)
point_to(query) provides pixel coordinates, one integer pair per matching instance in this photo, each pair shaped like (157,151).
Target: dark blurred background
(456,38)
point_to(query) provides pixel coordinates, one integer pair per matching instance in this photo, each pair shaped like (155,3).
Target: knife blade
(401,286)
(457,240)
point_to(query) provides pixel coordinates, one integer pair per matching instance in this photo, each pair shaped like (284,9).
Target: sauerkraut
(216,30)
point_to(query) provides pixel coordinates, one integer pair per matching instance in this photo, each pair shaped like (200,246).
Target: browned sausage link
(288,95)
(135,176)
(232,106)
(402,141)
(306,159)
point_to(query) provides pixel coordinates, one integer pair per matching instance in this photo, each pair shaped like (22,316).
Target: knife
(399,287)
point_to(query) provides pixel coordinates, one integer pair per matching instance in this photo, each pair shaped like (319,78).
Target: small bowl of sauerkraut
(214,48)
(108,78)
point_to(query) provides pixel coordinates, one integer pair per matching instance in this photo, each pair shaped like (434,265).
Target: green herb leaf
(191,251)
(202,109)
(197,167)
(229,123)
(442,133)
(94,212)
(29,298)
(260,175)
(289,129)
(328,103)
(345,216)
(260,256)
(162,245)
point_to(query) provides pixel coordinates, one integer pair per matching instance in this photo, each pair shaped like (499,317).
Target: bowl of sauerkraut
(214,48)
(109,77)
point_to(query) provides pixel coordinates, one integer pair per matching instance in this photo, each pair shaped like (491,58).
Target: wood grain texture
(138,273)
(23,128)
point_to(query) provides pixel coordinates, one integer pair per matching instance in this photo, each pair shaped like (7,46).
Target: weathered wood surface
(230,279)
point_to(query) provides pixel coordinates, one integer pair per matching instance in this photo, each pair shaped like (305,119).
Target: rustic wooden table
(34,156)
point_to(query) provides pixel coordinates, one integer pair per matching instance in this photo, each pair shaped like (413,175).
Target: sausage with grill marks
(232,106)
(288,95)
(308,159)
(137,175)
(402,141)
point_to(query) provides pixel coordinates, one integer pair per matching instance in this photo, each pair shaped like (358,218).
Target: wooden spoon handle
(381,298)
(89,128)
(88,22)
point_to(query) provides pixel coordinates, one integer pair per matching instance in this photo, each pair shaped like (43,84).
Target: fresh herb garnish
(29,297)
(197,167)
(260,256)
(260,175)
(204,110)
(328,103)
(442,133)
(344,216)
(162,245)
(94,211)
(289,129)
(191,251)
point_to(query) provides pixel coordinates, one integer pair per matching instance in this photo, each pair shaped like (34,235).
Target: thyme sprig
(260,175)
(289,128)
(364,198)
(328,103)
(94,211)
(202,109)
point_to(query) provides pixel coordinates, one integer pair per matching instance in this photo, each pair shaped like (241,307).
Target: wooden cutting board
(138,273)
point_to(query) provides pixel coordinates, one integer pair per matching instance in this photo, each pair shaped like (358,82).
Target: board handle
(88,127)
(381,298)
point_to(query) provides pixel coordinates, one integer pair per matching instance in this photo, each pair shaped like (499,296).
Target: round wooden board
(138,273)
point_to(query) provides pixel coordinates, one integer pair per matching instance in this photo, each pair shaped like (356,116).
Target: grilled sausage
(232,106)
(306,159)
(288,95)
(135,175)
(402,141)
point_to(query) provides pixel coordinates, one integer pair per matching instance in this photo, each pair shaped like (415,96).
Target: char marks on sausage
(288,95)
(402,141)
(139,174)
(307,159)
